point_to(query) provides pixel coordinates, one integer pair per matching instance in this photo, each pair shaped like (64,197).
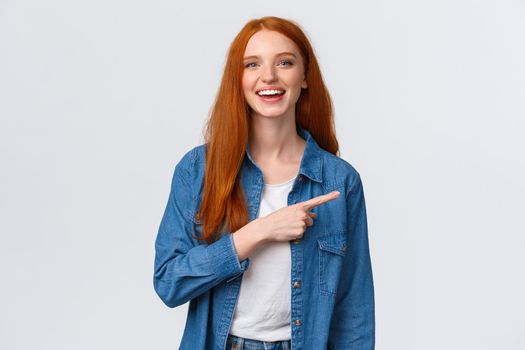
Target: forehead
(268,42)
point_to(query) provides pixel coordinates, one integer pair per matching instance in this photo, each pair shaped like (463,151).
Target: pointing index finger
(316,201)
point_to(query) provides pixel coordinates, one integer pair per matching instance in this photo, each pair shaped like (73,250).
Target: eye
(247,65)
(287,62)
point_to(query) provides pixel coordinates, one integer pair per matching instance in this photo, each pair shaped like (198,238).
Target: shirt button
(296,241)
(298,322)
(297,284)
(344,247)
(300,178)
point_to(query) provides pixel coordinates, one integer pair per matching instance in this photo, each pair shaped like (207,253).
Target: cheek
(247,82)
(294,79)
(247,87)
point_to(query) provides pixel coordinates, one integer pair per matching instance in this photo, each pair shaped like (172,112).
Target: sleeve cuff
(223,258)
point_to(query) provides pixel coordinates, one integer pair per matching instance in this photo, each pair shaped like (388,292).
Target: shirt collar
(311,161)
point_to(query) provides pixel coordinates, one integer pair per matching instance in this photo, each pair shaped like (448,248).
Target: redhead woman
(265,229)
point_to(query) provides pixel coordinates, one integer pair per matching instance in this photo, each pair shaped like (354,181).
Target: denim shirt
(332,290)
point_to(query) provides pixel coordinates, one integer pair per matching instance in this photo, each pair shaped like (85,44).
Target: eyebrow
(279,54)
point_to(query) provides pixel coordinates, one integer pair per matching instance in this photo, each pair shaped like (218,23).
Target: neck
(275,139)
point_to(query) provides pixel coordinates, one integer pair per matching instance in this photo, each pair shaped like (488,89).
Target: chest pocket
(332,250)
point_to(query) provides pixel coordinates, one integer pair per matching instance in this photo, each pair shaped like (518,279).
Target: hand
(290,222)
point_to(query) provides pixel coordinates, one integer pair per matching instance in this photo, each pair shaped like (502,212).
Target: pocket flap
(334,243)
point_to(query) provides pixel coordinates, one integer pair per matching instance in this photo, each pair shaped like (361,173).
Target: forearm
(247,238)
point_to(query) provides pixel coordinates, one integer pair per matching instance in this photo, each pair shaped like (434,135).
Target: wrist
(259,231)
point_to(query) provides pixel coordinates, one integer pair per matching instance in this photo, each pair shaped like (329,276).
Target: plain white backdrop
(100,99)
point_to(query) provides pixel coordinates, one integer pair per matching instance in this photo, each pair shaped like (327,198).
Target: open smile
(270,95)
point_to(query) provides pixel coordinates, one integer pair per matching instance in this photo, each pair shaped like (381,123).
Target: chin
(271,112)
(276,114)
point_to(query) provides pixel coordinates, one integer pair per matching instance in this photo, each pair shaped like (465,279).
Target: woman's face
(272,62)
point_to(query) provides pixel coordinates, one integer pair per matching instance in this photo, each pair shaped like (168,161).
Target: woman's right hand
(290,222)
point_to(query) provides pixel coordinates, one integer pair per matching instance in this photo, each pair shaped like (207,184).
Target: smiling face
(273,75)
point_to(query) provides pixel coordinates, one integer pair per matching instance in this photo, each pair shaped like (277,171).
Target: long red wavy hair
(226,133)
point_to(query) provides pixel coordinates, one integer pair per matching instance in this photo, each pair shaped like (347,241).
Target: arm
(247,238)
(353,324)
(184,268)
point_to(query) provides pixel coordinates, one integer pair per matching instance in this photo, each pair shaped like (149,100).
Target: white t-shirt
(263,309)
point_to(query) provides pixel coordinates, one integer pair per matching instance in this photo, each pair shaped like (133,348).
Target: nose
(268,74)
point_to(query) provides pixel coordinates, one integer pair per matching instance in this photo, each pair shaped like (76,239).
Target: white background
(100,99)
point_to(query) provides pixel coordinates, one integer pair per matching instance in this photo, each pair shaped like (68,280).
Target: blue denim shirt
(332,290)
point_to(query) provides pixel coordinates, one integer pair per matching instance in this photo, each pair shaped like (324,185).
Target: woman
(265,229)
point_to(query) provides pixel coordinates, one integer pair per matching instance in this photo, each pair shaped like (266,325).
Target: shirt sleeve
(353,324)
(184,267)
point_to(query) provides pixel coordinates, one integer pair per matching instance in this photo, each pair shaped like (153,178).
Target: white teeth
(270,92)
